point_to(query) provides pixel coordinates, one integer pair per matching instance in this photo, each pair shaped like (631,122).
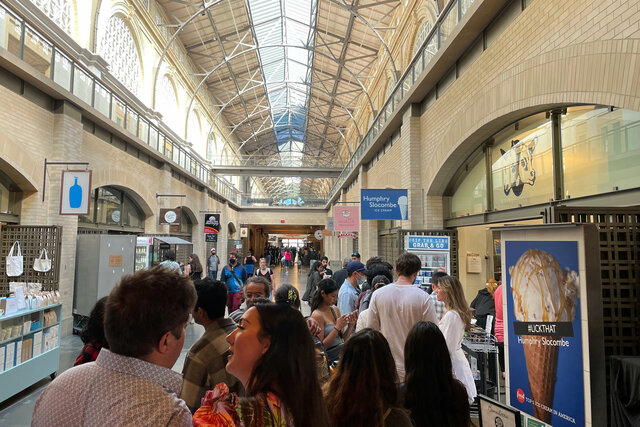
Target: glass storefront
(112,207)
(522,164)
(469,197)
(600,148)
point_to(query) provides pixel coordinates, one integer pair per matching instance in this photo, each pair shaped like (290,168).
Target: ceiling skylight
(284,29)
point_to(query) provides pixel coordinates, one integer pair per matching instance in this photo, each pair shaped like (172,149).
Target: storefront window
(522,164)
(111,206)
(601,150)
(470,190)
(10,195)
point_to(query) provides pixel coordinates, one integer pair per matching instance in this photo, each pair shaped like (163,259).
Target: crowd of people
(373,351)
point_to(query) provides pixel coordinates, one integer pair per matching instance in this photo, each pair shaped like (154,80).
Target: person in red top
(499,326)
(93,334)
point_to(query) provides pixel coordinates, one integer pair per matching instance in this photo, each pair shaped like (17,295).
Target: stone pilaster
(368,234)
(411,167)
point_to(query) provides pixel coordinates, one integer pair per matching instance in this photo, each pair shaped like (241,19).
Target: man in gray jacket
(213,264)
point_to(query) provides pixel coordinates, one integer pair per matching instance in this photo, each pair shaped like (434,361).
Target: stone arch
(518,101)
(129,183)
(189,213)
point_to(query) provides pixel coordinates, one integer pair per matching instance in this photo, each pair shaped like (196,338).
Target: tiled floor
(17,410)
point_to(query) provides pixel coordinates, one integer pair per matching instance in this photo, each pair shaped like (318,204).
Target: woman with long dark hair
(194,268)
(432,394)
(454,323)
(332,323)
(287,294)
(273,356)
(366,369)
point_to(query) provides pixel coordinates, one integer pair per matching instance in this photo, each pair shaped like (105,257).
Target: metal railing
(439,34)
(21,39)
(274,160)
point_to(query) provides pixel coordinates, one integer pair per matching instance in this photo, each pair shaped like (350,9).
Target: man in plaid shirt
(204,366)
(439,305)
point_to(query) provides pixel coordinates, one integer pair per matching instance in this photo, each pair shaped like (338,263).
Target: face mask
(232,261)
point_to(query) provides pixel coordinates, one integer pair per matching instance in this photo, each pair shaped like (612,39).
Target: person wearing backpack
(234,275)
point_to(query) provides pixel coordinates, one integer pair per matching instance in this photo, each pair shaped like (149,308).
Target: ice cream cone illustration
(403,204)
(542,292)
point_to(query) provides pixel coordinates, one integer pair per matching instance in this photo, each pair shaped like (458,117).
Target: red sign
(282,221)
(346,218)
(351,235)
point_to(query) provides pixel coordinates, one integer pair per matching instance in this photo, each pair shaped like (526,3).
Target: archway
(113,210)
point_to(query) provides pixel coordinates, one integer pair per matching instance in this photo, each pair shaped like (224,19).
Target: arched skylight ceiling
(286,75)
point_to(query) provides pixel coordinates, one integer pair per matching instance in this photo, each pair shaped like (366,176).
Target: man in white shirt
(398,306)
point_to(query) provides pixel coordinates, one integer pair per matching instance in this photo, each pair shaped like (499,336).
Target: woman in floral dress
(272,354)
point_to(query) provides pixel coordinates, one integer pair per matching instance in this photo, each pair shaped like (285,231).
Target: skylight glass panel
(286,69)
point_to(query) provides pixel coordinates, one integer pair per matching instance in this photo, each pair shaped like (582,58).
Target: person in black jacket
(484,305)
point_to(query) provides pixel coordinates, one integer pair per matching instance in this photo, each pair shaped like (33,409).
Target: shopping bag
(14,262)
(42,264)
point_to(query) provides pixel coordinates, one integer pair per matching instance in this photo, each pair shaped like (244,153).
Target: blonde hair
(455,299)
(492,285)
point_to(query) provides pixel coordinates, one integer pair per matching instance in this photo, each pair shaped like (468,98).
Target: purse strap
(16,243)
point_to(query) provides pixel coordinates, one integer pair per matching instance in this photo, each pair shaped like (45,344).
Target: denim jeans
(213,274)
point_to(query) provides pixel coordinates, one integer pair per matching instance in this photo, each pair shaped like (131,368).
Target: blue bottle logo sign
(75,195)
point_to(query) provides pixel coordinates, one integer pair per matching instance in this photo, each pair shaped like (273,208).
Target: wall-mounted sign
(244,232)
(346,218)
(211,224)
(115,260)
(210,237)
(75,192)
(318,234)
(427,242)
(384,204)
(327,233)
(349,235)
(113,216)
(170,216)
(289,202)
(474,263)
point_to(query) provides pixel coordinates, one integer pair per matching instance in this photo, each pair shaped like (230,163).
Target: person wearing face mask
(349,290)
(265,271)
(234,275)
(269,351)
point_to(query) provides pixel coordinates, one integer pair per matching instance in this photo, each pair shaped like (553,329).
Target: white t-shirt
(394,311)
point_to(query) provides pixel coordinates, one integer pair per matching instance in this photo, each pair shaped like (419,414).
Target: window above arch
(118,47)
(113,207)
(59,11)
(167,104)
(421,36)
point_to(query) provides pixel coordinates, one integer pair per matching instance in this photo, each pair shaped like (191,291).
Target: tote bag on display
(14,262)
(42,264)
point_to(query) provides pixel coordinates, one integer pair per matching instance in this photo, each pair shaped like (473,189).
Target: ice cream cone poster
(545,354)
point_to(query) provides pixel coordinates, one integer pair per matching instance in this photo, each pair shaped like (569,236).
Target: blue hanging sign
(75,193)
(427,243)
(384,204)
